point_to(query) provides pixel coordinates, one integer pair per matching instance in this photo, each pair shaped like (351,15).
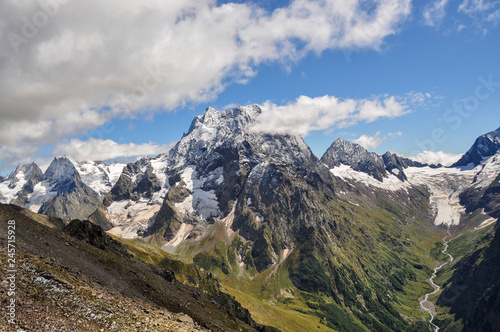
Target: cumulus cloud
(98,149)
(118,58)
(307,114)
(436,157)
(434,13)
(371,142)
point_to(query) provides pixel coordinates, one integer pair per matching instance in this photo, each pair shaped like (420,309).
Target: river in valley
(425,304)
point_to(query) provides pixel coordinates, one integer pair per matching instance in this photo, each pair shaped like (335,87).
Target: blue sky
(65,86)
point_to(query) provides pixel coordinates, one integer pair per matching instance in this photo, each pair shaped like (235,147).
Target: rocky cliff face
(137,181)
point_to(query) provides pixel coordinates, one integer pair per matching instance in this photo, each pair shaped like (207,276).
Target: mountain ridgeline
(344,243)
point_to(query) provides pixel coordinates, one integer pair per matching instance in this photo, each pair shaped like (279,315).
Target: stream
(425,301)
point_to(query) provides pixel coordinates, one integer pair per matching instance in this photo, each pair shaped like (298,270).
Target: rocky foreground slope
(93,283)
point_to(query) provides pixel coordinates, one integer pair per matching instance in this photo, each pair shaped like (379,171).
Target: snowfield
(129,218)
(444,184)
(99,176)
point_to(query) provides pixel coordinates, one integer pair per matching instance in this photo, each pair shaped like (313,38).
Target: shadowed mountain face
(270,182)
(72,198)
(485,146)
(473,292)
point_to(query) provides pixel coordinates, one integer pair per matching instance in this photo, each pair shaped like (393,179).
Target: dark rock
(485,145)
(94,235)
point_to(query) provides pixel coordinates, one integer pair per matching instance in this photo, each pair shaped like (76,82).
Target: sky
(115,80)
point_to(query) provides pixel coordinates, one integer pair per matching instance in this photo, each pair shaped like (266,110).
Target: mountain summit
(485,145)
(356,156)
(342,152)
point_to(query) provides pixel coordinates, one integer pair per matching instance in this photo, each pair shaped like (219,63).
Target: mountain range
(344,242)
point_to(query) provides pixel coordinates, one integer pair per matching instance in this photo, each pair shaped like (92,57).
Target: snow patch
(42,192)
(182,234)
(159,166)
(13,184)
(200,202)
(346,172)
(487,172)
(486,223)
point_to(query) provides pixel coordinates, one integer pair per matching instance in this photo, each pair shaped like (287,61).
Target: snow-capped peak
(485,146)
(14,182)
(99,176)
(212,129)
(342,152)
(235,119)
(60,170)
(21,173)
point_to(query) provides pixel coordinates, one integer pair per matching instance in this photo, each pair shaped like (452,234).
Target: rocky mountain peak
(342,152)
(22,179)
(485,145)
(21,173)
(61,170)
(236,119)
(217,130)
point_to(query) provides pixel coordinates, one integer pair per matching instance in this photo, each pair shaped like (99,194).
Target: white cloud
(307,114)
(476,6)
(484,13)
(371,142)
(63,62)
(435,158)
(50,130)
(434,13)
(17,154)
(494,17)
(98,149)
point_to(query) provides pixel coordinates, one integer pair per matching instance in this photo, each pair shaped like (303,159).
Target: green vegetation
(368,278)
